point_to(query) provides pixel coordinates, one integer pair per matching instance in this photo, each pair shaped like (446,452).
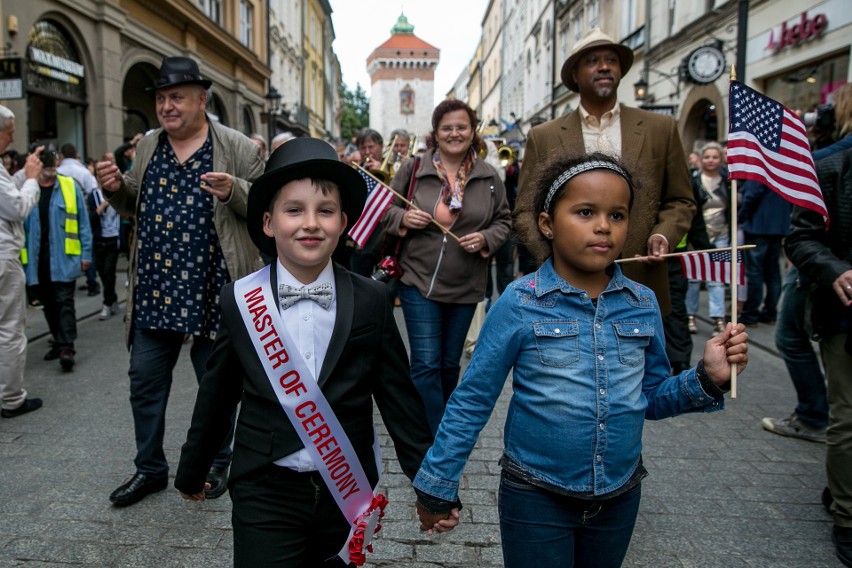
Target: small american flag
(378,200)
(768,143)
(712,266)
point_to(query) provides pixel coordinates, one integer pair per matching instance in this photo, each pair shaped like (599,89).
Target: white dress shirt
(602,135)
(308,325)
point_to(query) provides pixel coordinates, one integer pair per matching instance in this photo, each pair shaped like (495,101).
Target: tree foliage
(355,112)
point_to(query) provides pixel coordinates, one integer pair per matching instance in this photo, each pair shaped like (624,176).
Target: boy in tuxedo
(304,347)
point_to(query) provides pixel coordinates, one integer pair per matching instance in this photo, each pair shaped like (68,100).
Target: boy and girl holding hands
(305,347)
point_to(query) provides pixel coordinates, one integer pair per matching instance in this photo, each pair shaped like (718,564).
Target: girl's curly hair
(531,202)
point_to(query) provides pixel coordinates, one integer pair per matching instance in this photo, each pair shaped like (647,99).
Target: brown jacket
(663,204)
(233,153)
(436,265)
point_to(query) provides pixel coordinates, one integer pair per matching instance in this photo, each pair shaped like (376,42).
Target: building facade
(492,68)
(402,82)
(87,65)
(286,62)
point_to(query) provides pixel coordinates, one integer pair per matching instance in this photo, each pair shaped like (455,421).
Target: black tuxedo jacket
(366,359)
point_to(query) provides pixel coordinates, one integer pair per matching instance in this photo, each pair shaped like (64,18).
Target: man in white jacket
(15,205)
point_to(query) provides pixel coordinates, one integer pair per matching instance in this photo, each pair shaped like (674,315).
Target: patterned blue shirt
(181,268)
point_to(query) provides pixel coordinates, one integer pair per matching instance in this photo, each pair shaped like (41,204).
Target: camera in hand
(49,155)
(822,118)
(387,270)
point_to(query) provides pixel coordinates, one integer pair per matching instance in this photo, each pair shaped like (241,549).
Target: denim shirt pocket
(558,342)
(633,338)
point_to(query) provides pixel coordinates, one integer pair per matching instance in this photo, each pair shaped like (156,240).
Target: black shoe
(29,405)
(93,292)
(53,354)
(826,499)
(83,287)
(66,358)
(842,539)
(136,488)
(217,477)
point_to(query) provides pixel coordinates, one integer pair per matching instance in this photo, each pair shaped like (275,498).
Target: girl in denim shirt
(587,352)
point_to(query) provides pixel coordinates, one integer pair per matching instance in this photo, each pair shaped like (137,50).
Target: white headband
(566,176)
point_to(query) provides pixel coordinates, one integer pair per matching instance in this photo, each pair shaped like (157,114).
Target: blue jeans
(542,528)
(153,356)
(795,347)
(763,268)
(436,333)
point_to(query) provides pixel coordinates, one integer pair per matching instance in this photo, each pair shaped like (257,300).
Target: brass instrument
(384,173)
(399,158)
(506,155)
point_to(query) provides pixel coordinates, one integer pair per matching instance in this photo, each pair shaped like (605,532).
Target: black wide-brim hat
(298,159)
(179,71)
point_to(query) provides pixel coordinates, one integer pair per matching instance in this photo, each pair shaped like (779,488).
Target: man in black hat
(188,189)
(304,347)
(647,142)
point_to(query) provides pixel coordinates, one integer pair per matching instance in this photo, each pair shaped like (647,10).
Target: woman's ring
(848,287)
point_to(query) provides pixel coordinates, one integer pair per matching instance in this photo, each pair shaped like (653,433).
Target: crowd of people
(230,235)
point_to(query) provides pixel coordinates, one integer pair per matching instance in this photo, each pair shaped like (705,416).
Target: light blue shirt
(585,377)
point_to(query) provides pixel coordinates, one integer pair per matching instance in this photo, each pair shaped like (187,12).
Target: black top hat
(179,71)
(298,159)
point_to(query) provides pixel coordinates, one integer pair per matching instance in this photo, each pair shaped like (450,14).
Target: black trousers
(106,257)
(676,324)
(58,301)
(286,519)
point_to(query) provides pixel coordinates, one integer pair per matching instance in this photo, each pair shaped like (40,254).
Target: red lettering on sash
(291,382)
(326,446)
(309,405)
(348,483)
(272,344)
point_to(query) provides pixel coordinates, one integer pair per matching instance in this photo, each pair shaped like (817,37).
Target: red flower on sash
(374,513)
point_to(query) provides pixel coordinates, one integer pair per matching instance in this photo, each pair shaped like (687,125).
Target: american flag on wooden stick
(768,143)
(712,266)
(378,200)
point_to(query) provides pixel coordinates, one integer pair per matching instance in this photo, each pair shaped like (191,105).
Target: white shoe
(106,312)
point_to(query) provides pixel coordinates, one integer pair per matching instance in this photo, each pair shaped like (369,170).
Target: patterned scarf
(453,196)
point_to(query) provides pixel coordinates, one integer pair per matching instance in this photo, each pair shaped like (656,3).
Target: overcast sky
(453,26)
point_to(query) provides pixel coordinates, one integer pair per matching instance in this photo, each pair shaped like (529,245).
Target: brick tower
(402,78)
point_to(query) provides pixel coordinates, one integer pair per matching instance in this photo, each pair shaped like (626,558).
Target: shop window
(248,122)
(803,88)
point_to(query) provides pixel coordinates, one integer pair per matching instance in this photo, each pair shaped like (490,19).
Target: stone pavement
(721,491)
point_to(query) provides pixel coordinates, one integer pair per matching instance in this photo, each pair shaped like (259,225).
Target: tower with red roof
(402,77)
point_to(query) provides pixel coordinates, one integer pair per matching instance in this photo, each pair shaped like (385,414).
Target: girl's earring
(549,235)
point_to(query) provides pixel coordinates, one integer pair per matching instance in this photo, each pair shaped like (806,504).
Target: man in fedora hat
(304,347)
(188,189)
(647,142)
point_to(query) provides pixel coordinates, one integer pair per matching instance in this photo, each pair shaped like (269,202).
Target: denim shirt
(63,267)
(585,378)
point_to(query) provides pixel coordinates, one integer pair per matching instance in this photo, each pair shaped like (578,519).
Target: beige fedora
(592,40)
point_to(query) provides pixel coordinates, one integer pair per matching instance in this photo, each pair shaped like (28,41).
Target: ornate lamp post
(274,99)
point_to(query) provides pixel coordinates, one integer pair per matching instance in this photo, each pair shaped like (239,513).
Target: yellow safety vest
(72,232)
(72,235)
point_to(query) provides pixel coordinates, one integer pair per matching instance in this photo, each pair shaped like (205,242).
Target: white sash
(308,410)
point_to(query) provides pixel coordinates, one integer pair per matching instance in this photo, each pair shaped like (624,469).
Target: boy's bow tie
(289,295)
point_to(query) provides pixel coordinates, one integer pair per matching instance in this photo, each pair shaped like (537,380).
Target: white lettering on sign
(51,60)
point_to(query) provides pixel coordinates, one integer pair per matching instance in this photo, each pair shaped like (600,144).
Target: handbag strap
(410,195)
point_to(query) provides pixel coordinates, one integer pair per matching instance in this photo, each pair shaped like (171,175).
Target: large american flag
(768,143)
(712,266)
(378,200)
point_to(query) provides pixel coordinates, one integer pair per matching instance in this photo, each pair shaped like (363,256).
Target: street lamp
(640,87)
(274,99)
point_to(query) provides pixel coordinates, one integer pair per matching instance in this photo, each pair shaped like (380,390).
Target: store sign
(56,67)
(11,78)
(803,30)
(668,110)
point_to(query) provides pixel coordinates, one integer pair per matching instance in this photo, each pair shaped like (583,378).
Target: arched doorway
(216,109)
(56,86)
(702,125)
(137,102)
